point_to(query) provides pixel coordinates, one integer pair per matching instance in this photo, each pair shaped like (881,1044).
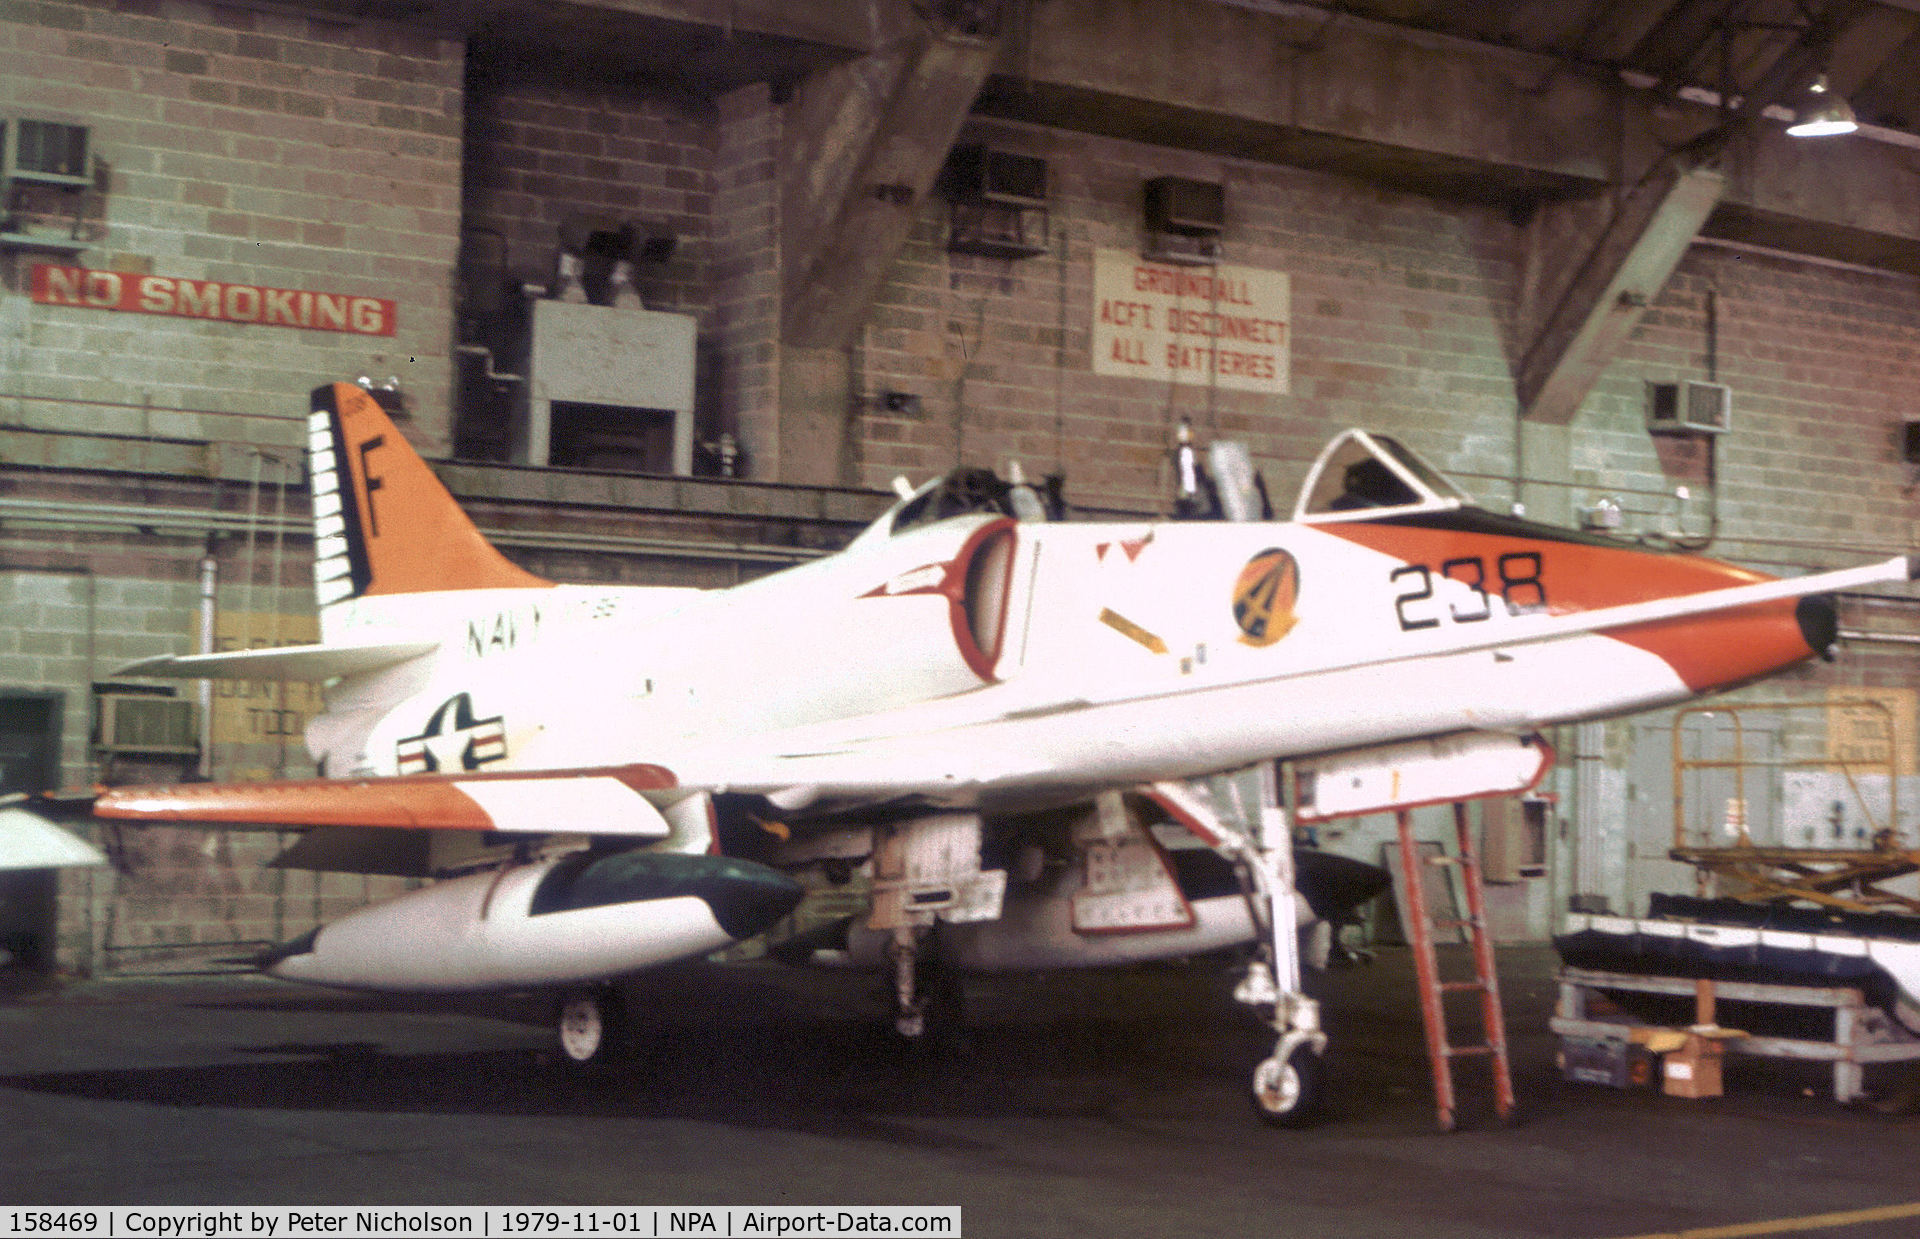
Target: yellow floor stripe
(1784,1226)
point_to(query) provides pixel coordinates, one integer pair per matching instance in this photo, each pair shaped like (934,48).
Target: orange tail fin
(382,522)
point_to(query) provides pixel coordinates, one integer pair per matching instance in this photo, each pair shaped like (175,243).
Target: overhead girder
(1284,83)
(1626,267)
(1434,99)
(1336,89)
(1613,30)
(1640,244)
(865,143)
(1889,92)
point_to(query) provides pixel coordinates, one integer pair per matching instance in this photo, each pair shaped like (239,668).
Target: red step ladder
(1420,929)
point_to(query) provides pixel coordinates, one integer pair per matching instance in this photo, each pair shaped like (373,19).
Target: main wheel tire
(1288,1094)
(590,1027)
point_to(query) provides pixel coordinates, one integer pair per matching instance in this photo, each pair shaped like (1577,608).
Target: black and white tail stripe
(340,568)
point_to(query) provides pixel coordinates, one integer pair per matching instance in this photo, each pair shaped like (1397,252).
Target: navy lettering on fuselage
(502,632)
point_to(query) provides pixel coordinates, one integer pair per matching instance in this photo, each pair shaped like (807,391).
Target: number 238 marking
(1516,579)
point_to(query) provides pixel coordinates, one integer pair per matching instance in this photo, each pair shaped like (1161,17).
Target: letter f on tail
(382,522)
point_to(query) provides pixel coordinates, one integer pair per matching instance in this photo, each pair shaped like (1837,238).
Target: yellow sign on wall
(262,711)
(1219,326)
(1867,727)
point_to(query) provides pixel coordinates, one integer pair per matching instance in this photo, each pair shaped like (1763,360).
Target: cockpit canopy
(1360,475)
(1363,474)
(978,490)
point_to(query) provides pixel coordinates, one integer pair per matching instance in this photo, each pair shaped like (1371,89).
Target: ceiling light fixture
(1822,113)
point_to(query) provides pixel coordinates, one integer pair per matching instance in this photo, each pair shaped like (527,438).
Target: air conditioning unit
(1186,207)
(977,174)
(146,723)
(998,203)
(1689,407)
(44,152)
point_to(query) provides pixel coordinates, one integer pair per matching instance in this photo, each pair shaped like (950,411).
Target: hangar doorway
(29,762)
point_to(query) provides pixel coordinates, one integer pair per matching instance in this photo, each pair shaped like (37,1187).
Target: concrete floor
(1107,1104)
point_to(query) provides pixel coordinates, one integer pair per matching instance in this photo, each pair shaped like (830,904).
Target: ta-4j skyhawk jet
(1029,743)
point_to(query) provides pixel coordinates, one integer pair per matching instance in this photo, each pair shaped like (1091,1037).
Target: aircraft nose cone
(1819,623)
(745,898)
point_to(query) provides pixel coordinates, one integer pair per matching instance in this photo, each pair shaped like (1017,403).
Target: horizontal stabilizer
(605,801)
(286,662)
(29,841)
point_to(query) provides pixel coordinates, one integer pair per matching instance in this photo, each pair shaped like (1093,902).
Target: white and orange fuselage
(952,669)
(1012,660)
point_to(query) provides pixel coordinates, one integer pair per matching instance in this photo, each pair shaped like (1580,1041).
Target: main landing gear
(591,1026)
(929,1000)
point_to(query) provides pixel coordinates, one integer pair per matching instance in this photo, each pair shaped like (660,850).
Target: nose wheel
(1287,1091)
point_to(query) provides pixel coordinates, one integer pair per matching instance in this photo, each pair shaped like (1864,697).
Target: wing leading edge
(287,662)
(616,800)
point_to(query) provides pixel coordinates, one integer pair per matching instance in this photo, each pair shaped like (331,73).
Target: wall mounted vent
(44,152)
(997,203)
(145,723)
(1689,407)
(1186,207)
(976,174)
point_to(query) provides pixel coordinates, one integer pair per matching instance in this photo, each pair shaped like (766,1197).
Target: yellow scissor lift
(1841,879)
(1845,879)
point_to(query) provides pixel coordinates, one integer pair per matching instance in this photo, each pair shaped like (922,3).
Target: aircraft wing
(616,800)
(286,662)
(29,841)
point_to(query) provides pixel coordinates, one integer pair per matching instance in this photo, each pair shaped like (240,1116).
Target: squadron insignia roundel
(1264,595)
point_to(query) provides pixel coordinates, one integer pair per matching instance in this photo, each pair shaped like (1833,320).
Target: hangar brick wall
(1823,362)
(1398,309)
(540,150)
(235,146)
(746,266)
(80,605)
(1404,318)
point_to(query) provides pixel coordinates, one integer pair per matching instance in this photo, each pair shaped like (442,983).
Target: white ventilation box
(1689,407)
(147,723)
(610,357)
